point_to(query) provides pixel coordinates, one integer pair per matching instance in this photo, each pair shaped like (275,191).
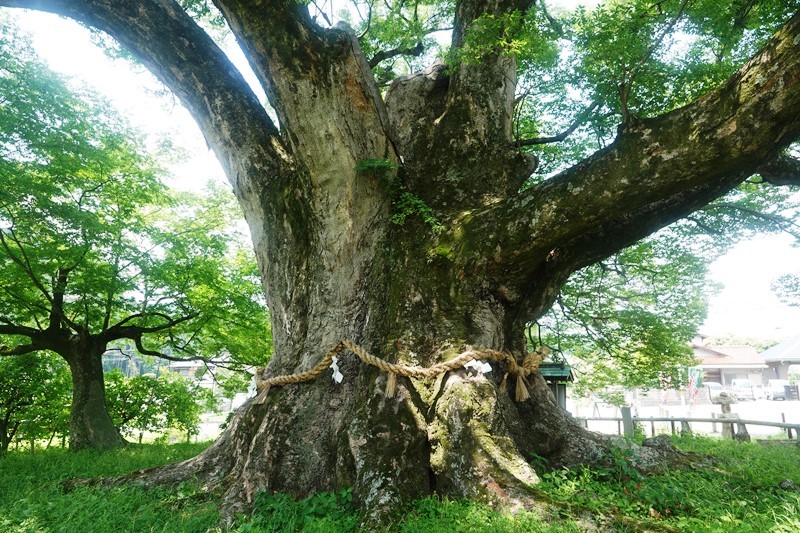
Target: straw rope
(530,364)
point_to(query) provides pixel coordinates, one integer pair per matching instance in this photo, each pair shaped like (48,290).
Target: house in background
(725,363)
(780,357)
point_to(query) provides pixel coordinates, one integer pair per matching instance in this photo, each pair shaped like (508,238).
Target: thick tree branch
(9,328)
(21,349)
(783,170)
(383,55)
(484,87)
(710,145)
(295,60)
(165,39)
(137,340)
(120,330)
(275,36)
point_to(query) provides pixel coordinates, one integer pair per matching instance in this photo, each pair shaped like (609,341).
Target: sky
(746,307)
(68,48)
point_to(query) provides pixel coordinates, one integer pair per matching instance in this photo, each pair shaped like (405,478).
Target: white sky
(746,306)
(139,96)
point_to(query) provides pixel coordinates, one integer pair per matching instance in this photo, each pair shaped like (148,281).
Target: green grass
(740,494)
(32,500)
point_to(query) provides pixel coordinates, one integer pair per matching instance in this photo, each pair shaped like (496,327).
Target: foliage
(404,203)
(208,257)
(787,288)
(90,238)
(409,204)
(628,320)
(34,398)
(156,402)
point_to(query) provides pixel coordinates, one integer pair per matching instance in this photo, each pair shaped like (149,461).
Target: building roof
(557,371)
(788,350)
(728,356)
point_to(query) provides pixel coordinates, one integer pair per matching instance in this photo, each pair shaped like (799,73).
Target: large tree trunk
(90,425)
(319,196)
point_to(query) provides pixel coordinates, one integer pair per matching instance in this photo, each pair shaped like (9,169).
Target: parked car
(713,389)
(743,389)
(775,389)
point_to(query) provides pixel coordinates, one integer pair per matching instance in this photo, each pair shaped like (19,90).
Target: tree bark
(90,425)
(320,195)
(6,434)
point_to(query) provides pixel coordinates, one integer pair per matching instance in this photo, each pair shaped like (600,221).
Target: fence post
(627,422)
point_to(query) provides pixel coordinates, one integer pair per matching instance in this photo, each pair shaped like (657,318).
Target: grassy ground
(741,494)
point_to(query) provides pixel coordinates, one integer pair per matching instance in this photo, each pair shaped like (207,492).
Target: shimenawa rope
(530,364)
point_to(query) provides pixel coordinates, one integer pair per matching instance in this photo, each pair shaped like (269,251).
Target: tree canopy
(93,242)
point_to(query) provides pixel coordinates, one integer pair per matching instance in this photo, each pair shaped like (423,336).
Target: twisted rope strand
(530,364)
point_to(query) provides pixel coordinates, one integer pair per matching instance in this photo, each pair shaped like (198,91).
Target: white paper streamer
(337,376)
(479,366)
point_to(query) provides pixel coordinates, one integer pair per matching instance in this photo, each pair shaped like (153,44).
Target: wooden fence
(626,423)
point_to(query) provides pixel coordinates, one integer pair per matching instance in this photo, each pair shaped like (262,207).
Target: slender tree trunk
(5,438)
(90,424)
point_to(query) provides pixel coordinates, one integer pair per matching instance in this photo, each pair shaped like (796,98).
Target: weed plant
(740,493)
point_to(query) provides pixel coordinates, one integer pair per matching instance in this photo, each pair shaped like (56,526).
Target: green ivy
(404,202)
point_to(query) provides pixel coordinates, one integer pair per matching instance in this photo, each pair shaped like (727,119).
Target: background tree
(483,244)
(34,398)
(156,403)
(787,288)
(93,250)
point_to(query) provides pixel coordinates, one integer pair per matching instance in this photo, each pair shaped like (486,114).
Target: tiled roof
(788,350)
(731,355)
